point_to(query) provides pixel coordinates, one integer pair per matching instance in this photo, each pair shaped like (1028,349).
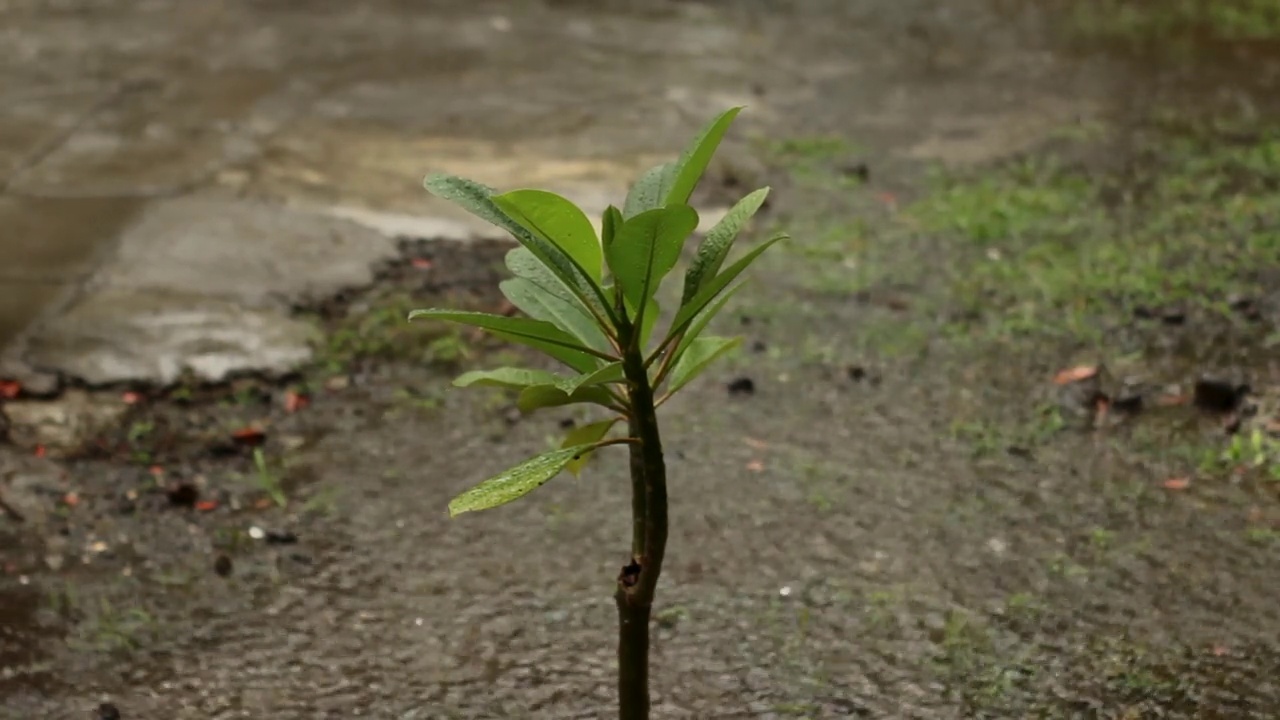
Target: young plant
(591,304)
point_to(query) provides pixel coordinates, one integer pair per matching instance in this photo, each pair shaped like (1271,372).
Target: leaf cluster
(590,300)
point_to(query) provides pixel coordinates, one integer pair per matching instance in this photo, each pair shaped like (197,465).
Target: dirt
(884,507)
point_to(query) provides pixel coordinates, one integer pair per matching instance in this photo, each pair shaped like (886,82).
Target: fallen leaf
(71,499)
(131,398)
(757,444)
(10,389)
(755,466)
(40,451)
(1178,483)
(263,503)
(1170,400)
(156,470)
(421,263)
(887,198)
(1075,374)
(294,401)
(1220,650)
(249,435)
(207,505)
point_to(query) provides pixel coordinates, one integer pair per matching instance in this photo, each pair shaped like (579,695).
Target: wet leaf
(712,289)
(1075,374)
(536,397)
(515,482)
(508,377)
(422,263)
(1177,483)
(645,249)
(538,334)
(560,221)
(585,435)
(477,199)
(650,191)
(10,389)
(715,247)
(610,221)
(40,451)
(700,322)
(698,357)
(610,373)
(693,162)
(566,314)
(207,505)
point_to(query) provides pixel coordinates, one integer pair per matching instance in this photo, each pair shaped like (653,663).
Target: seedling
(591,304)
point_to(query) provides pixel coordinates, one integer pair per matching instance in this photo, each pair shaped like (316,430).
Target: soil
(885,507)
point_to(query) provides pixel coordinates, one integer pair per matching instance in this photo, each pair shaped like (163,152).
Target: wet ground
(997,459)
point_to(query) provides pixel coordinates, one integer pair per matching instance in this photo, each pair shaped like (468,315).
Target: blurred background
(1004,440)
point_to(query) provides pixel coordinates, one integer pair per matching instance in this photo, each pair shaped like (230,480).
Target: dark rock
(759,346)
(222,566)
(281,537)
(107,711)
(1219,394)
(857,170)
(183,494)
(1173,316)
(742,386)
(1129,400)
(857,373)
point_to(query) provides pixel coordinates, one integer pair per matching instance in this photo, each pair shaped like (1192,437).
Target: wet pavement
(216,193)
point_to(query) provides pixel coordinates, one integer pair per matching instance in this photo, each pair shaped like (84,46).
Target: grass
(1173,20)
(382,333)
(1042,248)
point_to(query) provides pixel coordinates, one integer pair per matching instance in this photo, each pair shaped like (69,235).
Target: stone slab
(205,284)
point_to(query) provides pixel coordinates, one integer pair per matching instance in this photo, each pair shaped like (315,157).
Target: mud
(904,518)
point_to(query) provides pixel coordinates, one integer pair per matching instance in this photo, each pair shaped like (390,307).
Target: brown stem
(639,579)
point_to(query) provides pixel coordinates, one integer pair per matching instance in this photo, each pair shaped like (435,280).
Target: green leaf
(697,156)
(609,224)
(610,373)
(650,191)
(515,482)
(645,249)
(558,220)
(585,435)
(713,288)
(509,377)
(537,334)
(706,316)
(567,314)
(648,321)
(700,354)
(536,397)
(715,246)
(477,199)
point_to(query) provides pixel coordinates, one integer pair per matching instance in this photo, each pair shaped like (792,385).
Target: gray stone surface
(204,284)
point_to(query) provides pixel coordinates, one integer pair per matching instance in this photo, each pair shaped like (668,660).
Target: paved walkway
(173,176)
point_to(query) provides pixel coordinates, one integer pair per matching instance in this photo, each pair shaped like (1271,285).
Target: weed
(268,478)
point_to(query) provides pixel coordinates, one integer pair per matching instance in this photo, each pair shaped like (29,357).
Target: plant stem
(639,579)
